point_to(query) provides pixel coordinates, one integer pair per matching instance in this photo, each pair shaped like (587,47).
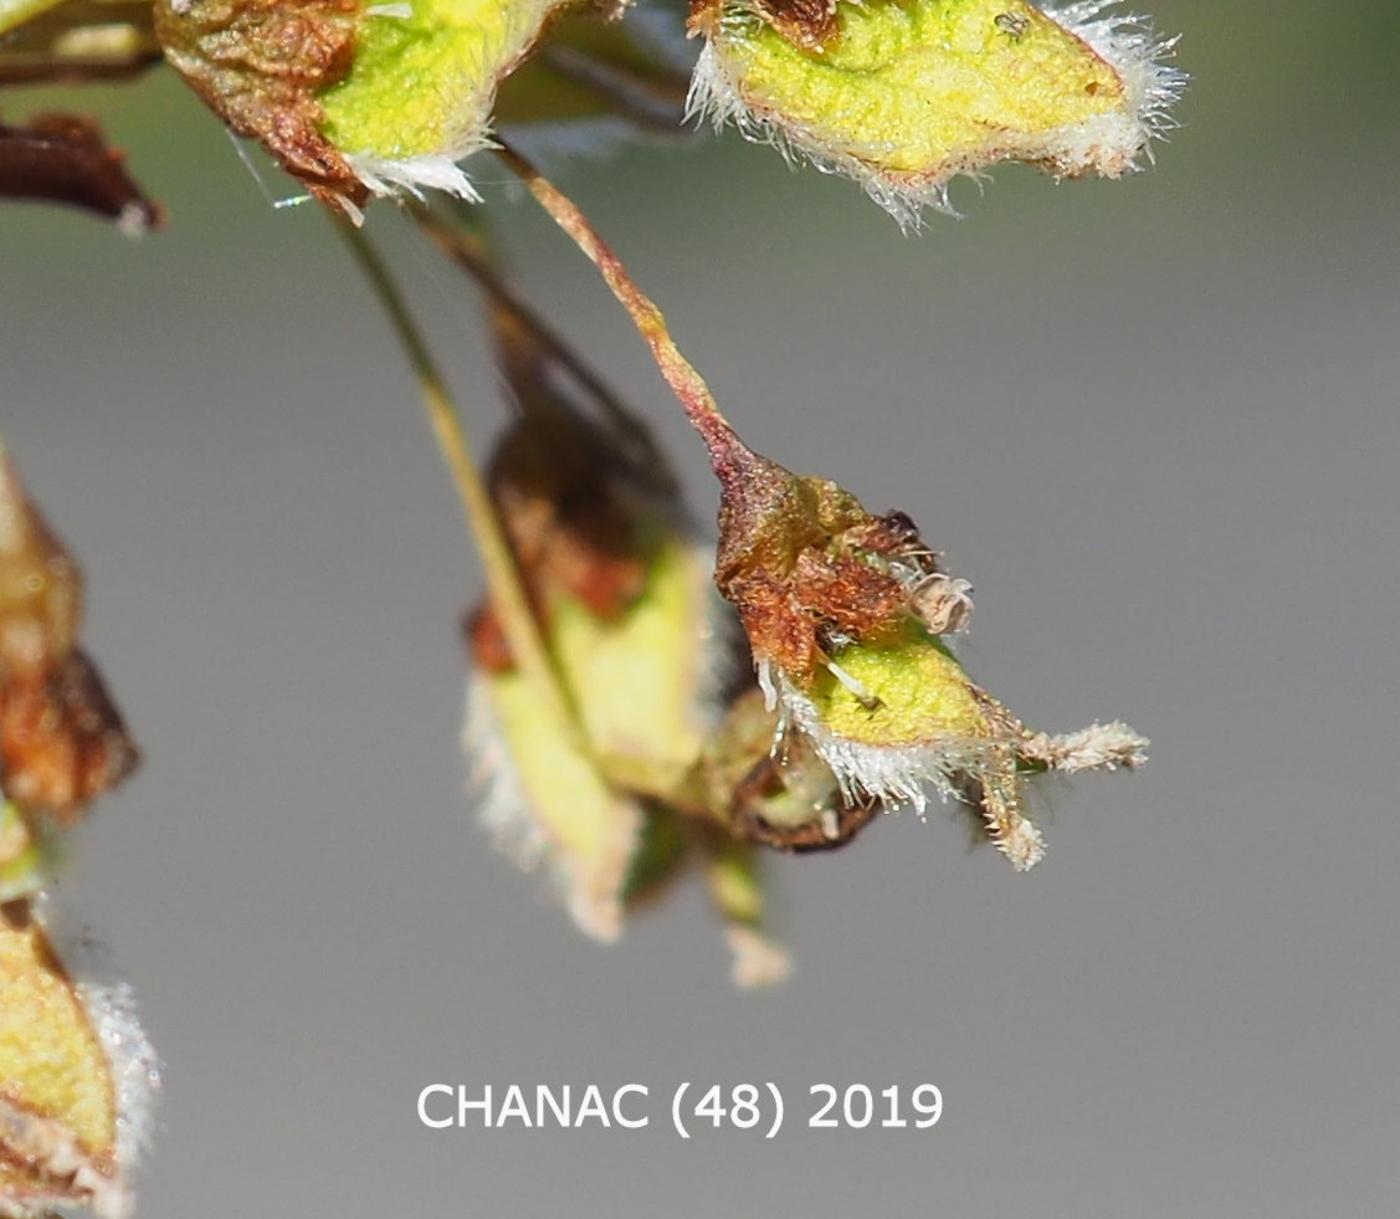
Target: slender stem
(645,98)
(75,71)
(14,13)
(472,254)
(686,383)
(502,576)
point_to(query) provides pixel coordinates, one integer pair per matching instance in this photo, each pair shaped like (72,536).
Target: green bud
(620,595)
(421,86)
(734,878)
(904,96)
(354,99)
(845,612)
(76,1074)
(785,797)
(28,856)
(643,681)
(544,799)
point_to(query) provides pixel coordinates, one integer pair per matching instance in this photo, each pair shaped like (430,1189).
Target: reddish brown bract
(62,740)
(60,158)
(802,561)
(260,64)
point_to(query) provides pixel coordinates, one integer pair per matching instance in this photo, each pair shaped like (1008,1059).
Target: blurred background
(1155,423)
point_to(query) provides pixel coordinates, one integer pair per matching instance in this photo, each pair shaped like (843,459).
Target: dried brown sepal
(844,611)
(486,640)
(570,489)
(61,158)
(62,740)
(259,65)
(807,567)
(806,23)
(780,796)
(586,68)
(564,519)
(832,825)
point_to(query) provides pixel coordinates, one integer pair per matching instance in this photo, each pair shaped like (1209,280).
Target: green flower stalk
(547,796)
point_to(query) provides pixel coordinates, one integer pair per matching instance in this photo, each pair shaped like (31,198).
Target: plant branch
(472,253)
(14,13)
(502,575)
(686,383)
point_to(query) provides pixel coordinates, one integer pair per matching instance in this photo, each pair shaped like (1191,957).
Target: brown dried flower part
(259,65)
(783,797)
(606,784)
(567,496)
(809,569)
(618,591)
(60,158)
(62,740)
(616,581)
(806,23)
(846,612)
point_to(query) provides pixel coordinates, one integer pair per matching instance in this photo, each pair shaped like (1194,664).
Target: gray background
(1155,422)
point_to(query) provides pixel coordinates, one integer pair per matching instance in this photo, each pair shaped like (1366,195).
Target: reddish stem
(729,456)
